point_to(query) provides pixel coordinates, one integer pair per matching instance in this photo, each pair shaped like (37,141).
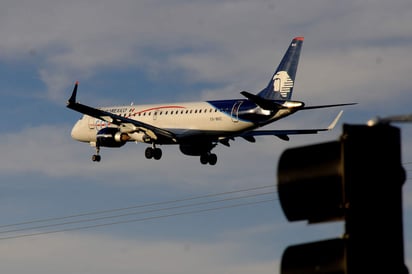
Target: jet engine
(111,137)
(196,149)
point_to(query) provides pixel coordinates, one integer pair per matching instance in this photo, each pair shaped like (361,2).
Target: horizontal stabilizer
(328,106)
(272,104)
(261,102)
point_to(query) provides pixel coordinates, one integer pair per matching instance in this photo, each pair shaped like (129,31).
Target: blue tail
(281,84)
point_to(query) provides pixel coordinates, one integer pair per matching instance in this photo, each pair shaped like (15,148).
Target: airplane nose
(78,133)
(75,131)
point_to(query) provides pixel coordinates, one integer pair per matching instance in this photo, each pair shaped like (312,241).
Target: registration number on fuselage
(215,119)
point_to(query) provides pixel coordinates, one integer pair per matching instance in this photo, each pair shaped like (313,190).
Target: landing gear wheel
(212,159)
(209,158)
(96,158)
(148,153)
(155,153)
(204,159)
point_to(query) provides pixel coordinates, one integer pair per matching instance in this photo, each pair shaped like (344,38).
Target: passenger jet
(197,127)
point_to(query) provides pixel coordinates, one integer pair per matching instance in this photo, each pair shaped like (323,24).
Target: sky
(62,213)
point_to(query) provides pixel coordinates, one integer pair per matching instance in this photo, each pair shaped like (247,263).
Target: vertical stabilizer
(280,86)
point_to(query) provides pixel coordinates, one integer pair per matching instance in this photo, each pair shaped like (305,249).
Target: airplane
(197,127)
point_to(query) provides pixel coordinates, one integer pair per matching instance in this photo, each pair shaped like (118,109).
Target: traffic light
(357,179)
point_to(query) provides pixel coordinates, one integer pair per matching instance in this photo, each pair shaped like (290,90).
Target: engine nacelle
(140,137)
(196,149)
(111,137)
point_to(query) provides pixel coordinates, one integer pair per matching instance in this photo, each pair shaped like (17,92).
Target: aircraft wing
(126,124)
(283,134)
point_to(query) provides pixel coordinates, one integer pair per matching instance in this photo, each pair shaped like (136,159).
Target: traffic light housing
(357,179)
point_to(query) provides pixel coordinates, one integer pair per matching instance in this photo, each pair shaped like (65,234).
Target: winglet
(72,99)
(335,121)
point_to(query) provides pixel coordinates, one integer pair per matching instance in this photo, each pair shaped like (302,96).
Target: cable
(137,220)
(46,223)
(86,220)
(134,213)
(135,206)
(48,220)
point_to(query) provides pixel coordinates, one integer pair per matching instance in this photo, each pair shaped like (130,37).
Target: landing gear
(153,152)
(96,157)
(208,158)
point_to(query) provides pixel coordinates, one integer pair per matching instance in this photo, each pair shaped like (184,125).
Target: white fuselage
(183,119)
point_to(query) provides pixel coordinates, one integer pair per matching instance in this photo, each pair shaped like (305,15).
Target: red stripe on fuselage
(157,108)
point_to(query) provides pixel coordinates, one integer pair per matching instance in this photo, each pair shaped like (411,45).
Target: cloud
(49,150)
(353,51)
(82,253)
(215,41)
(43,149)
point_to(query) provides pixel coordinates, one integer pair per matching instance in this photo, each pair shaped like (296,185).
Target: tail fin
(281,85)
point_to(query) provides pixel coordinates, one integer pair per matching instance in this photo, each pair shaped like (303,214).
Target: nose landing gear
(96,157)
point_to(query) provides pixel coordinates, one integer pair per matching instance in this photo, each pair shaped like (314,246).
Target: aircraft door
(91,123)
(235,111)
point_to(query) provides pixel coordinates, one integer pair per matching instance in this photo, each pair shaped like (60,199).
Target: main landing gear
(208,158)
(153,152)
(156,153)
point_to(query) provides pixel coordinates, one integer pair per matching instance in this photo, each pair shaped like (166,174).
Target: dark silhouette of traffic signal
(357,179)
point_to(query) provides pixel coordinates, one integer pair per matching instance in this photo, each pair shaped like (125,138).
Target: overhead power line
(132,213)
(136,206)
(136,220)
(43,226)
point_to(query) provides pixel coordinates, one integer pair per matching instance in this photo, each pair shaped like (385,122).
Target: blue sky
(173,51)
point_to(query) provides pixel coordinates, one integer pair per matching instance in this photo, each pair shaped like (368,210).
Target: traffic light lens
(310,183)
